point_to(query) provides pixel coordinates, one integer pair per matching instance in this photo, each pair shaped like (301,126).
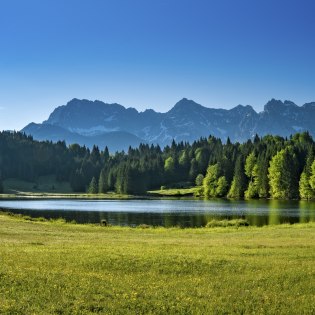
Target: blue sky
(152,53)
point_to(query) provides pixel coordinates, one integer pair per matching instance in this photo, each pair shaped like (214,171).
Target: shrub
(227,223)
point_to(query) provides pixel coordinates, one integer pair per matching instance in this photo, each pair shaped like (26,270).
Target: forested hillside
(271,166)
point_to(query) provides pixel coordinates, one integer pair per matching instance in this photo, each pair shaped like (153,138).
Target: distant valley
(94,122)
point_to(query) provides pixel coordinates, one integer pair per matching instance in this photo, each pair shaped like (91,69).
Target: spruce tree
(222,187)
(251,171)
(1,186)
(93,189)
(102,182)
(199,179)
(312,177)
(238,185)
(305,189)
(193,172)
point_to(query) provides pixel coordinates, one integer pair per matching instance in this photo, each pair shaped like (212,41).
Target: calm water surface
(167,213)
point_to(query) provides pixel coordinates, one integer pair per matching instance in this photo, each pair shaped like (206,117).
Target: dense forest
(268,167)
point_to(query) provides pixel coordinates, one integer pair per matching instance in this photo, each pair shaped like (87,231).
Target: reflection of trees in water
(307,211)
(256,212)
(274,212)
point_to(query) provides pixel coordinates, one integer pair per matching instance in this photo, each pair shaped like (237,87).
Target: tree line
(264,167)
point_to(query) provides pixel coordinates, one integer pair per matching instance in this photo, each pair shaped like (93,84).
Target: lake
(184,213)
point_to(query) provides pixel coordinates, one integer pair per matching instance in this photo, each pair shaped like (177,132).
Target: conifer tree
(222,187)
(93,189)
(305,189)
(1,186)
(102,182)
(193,172)
(106,154)
(283,177)
(251,171)
(199,180)
(312,177)
(238,185)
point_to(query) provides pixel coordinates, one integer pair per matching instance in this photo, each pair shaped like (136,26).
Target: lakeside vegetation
(59,268)
(268,167)
(175,192)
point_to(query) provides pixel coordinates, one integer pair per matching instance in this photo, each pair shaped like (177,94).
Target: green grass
(58,268)
(44,184)
(49,187)
(32,195)
(175,192)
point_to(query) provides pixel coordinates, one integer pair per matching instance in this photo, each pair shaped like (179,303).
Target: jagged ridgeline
(117,127)
(271,166)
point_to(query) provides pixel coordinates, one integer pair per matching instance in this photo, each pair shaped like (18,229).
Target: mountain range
(94,122)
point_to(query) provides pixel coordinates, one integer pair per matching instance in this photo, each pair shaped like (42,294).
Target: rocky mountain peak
(93,121)
(185,105)
(273,105)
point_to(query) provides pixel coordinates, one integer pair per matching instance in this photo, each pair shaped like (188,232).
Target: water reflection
(185,213)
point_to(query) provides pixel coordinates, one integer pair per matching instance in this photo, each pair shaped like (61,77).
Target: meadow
(61,268)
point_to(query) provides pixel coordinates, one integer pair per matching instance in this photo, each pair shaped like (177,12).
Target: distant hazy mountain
(115,140)
(87,122)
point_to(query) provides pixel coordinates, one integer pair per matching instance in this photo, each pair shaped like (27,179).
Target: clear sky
(152,53)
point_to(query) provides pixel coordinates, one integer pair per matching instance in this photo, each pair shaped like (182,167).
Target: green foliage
(199,180)
(238,185)
(252,172)
(283,175)
(193,171)
(305,189)
(202,159)
(175,192)
(102,182)
(43,184)
(169,165)
(210,181)
(312,177)
(222,187)
(250,164)
(227,223)
(184,160)
(214,184)
(261,177)
(93,189)
(242,169)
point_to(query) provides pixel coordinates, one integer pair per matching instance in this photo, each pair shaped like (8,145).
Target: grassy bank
(175,192)
(32,195)
(57,268)
(48,187)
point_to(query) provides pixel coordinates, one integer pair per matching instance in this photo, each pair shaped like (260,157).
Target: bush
(198,192)
(227,223)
